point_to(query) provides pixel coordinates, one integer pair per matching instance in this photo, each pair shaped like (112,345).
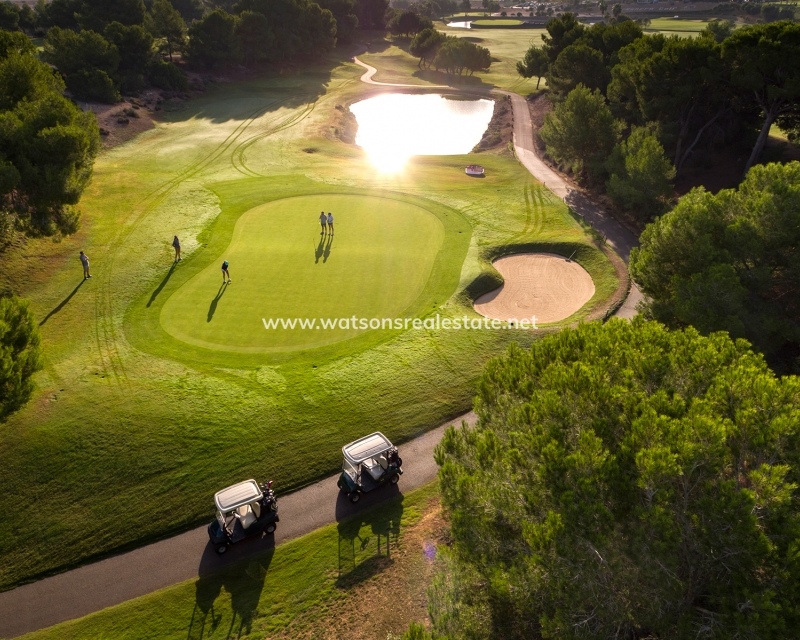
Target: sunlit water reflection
(459,25)
(395,126)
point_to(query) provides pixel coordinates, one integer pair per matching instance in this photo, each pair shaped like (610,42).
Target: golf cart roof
(237,495)
(366,447)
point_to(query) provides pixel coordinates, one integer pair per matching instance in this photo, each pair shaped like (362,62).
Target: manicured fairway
(132,430)
(375,266)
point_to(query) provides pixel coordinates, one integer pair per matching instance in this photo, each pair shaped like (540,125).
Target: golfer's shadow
(323,249)
(63,303)
(212,309)
(163,284)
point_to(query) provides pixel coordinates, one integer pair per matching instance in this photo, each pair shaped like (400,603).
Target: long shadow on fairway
(63,303)
(212,309)
(163,284)
(366,535)
(244,582)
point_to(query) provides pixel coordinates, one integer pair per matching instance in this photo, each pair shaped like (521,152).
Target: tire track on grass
(239,154)
(106,337)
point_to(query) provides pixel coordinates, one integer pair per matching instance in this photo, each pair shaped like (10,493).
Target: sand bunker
(544,285)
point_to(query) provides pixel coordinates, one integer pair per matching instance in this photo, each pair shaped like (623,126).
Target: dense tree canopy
(729,261)
(640,175)
(765,64)
(581,132)
(20,354)
(449,53)
(624,481)
(47,144)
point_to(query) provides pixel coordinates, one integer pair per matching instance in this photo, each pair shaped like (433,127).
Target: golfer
(177,246)
(225,272)
(330,221)
(85,263)
(323,221)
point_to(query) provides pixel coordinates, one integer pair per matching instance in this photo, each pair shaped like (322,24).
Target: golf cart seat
(246,516)
(374,468)
(256,506)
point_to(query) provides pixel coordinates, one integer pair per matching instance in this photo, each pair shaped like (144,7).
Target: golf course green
(376,265)
(160,387)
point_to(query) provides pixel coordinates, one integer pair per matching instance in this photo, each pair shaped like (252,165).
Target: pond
(459,25)
(395,126)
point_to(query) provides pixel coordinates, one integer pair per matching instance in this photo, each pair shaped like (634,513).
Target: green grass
(679,27)
(497,23)
(394,64)
(291,586)
(378,265)
(130,426)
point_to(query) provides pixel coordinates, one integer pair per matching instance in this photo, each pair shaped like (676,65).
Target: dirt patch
(501,127)
(544,285)
(395,594)
(124,120)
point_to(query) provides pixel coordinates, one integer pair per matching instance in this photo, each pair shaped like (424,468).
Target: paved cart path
(114,580)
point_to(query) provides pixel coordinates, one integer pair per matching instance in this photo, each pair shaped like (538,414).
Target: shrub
(167,76)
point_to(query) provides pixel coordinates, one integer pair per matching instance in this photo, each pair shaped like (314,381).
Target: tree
(425,45)
(466,5)
(47,144)
(346,19)
(9,16)
(623,481)
(729,261)
(255,37)
(680,83)
(576,65)
(135,48)
(641,176)
(455,55)
(616,10)
(87,61)
(96,15)
(718,30)
(534,64)
(562,32)
(190,10)
(20,354)
(581,132)
(370,13)
(765,63)
(408,23)
(212,41)
(168,24)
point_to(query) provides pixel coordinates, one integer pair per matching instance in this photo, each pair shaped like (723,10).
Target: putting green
(375,266)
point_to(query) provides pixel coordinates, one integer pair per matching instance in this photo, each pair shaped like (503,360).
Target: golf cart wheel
(223,548)
(271,528)
(399,461)
(395,478)
(355,496)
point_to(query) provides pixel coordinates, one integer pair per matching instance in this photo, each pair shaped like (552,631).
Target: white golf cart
(243,510)
(369,463)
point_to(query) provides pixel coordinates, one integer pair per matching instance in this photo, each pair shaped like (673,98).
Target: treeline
(632,110)
(47,144)
(449,53)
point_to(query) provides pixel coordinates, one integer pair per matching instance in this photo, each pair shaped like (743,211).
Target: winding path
(119,578)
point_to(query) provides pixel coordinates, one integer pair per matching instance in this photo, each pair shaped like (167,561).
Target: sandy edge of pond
(544,285)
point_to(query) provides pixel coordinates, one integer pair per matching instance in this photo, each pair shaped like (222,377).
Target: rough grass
(131,431)
(286,592)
